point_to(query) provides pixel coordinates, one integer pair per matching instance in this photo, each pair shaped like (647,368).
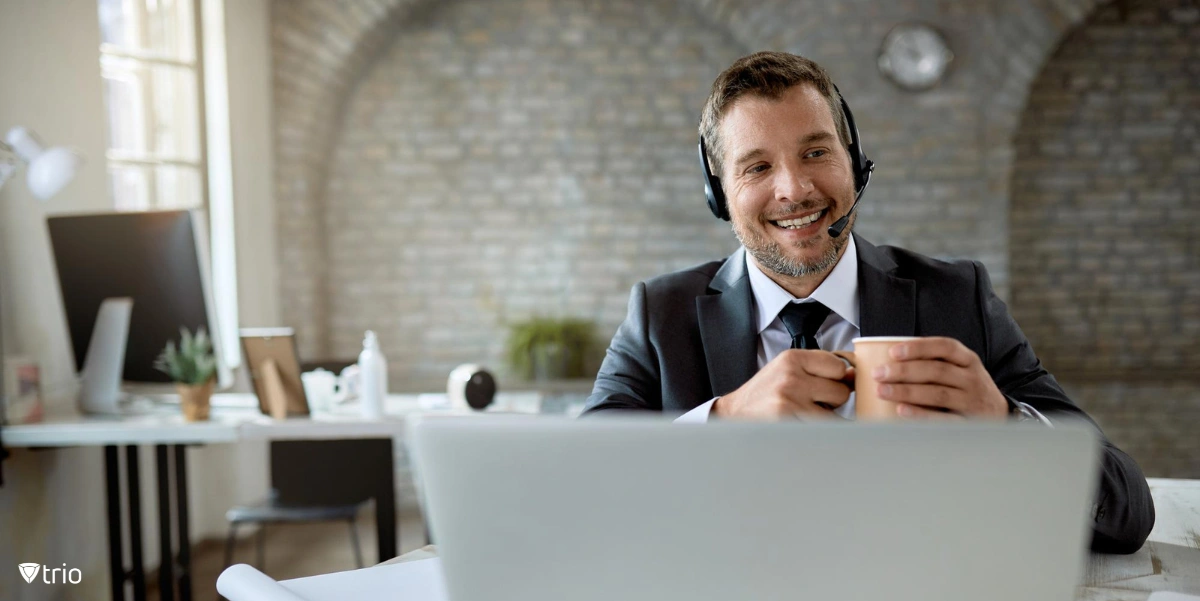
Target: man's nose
(793,184)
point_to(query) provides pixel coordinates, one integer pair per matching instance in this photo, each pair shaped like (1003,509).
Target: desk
(235,417)
(1169,561)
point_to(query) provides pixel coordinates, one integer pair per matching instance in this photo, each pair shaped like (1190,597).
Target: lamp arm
(8,162)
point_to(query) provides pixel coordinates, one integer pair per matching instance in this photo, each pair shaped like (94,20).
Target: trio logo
(29,571)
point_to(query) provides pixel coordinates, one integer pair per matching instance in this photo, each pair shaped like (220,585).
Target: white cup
(320,386)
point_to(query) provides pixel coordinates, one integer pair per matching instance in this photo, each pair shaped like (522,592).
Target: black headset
(863,167)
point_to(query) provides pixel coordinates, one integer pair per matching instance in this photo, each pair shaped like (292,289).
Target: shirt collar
(839,291)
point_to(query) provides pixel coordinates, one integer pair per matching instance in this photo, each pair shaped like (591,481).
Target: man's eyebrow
(818,136)
(757,152)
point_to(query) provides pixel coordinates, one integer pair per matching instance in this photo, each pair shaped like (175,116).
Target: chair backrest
(307,473)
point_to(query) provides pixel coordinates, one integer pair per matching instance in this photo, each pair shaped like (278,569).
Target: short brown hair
(767,74)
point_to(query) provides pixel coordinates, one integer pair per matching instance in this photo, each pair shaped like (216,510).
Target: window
(158,146)
(149,53)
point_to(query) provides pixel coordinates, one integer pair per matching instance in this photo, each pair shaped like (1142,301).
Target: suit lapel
(726,317)
(887,304)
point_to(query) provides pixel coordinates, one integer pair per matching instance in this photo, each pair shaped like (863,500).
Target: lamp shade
(52,170)
(49,170)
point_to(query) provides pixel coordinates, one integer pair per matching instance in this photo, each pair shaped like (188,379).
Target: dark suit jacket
(690,336)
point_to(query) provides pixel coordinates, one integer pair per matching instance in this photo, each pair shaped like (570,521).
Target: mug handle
(847,357)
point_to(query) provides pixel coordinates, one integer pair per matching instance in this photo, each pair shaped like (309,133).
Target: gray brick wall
(319,48)
(1106,227)
(576,89)
(1156,422)
(446,168)
(513,158)
(1106,199)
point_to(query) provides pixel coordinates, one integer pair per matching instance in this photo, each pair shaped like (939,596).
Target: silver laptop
(538,509)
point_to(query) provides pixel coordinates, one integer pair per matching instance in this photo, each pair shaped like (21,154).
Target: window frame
(150,160)
(221,261)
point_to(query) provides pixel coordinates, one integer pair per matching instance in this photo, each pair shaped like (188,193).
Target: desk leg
(116,559)
(134,492)
(166,576)
(185,542)
(385,508)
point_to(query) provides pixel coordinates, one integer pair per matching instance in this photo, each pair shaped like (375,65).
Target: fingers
(925,395)
(934,347)
(821,364)
(923,371)
(907,411)
(830,393)
(820,378)
(847,357)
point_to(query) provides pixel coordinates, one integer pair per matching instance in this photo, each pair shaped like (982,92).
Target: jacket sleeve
(1123,514)
(629,378)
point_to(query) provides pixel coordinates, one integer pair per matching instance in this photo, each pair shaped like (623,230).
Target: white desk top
(1170,559)
(234,417)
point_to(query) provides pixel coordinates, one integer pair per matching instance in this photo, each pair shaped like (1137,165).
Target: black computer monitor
(159,259)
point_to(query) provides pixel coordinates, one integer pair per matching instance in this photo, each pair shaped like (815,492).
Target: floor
(296,550)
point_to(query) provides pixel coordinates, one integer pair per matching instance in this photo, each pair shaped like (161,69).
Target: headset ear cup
(716,199)
(712,188)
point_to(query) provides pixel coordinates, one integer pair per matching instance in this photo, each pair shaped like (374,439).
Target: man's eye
(814,154)
(757,169)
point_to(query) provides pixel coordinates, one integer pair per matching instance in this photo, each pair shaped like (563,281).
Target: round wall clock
(914,56)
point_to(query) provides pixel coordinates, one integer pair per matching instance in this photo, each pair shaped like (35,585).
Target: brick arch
(320,48)
(1105,201)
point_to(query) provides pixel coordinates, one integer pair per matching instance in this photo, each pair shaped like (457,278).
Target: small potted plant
(193,368)
(550,349)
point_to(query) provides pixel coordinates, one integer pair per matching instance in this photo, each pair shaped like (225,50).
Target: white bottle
(372,373)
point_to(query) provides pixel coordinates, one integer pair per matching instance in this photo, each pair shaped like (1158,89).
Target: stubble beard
(770,255)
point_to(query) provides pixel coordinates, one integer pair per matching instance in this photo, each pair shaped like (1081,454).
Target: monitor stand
(100,380)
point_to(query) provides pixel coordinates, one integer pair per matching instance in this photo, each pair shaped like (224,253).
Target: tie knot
(802,321)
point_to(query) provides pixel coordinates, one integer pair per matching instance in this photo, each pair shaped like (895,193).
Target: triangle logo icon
(29,571)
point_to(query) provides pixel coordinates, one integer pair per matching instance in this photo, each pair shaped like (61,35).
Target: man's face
(787,178)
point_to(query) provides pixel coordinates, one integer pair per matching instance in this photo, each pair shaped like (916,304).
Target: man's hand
(796,383)
(939,378)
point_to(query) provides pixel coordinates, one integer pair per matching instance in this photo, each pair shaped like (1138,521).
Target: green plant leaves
(565,341)
(192,362)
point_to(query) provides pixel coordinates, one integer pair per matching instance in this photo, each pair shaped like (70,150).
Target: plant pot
(195,400)
(549,362)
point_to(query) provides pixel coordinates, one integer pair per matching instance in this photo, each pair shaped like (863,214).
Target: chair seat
(273,512)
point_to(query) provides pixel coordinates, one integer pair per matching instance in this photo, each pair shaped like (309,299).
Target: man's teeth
(803,221)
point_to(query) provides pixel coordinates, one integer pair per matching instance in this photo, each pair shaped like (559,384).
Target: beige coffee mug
(871,352)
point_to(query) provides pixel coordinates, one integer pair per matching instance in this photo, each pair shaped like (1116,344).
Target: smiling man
(750,336)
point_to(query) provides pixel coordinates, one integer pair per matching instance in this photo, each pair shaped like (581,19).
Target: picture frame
(274,369)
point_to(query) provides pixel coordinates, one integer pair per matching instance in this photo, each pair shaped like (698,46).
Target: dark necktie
(802,321)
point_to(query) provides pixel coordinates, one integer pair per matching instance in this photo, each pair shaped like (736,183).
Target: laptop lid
(541,509)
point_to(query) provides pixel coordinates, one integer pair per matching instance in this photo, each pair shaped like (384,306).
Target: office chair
(311,481)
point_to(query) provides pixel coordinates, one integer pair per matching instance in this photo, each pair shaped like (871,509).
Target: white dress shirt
(839,292)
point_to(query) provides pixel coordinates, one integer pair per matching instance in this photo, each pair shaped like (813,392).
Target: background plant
(539,338)
(191,362)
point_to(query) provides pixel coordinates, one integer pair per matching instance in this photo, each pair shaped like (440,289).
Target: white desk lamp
(49,170)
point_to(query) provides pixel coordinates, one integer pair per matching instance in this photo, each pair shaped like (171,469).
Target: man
(750,337)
